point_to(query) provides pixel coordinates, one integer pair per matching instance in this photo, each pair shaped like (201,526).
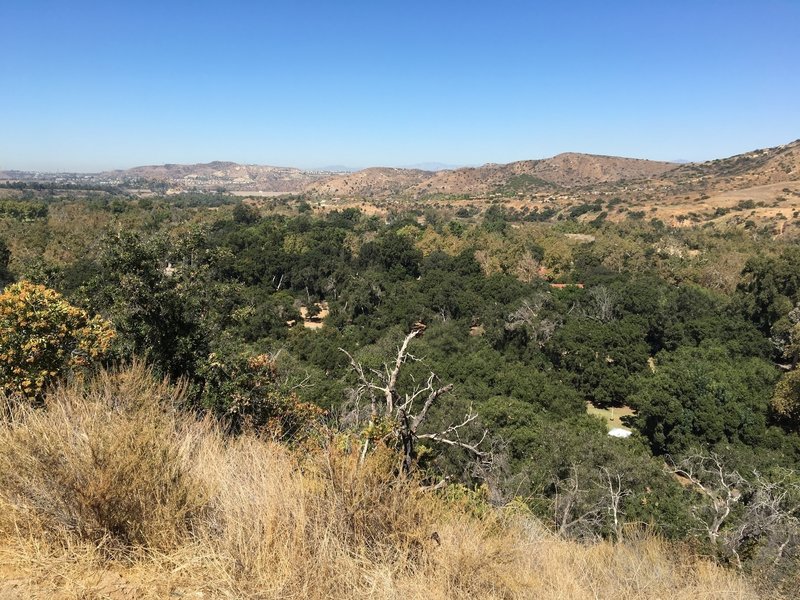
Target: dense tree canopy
(535,324)
(704,395)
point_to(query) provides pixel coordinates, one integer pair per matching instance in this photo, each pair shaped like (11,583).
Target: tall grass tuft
(99,463)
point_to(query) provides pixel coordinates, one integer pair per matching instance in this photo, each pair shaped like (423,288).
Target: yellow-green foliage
(786,398)
(42,337)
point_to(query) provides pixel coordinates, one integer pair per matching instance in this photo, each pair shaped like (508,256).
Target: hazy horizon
(424,165)
(93,87)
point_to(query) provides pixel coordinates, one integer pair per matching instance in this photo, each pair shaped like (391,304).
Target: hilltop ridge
(230,175)
(570,173)
(564,170)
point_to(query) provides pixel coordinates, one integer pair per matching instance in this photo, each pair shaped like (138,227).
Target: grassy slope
(111,493)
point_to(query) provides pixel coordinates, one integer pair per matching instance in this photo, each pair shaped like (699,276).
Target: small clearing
(583,238)
(316,321)
(612,415)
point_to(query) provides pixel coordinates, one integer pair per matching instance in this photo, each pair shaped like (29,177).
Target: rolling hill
(757,168)
(565,170)
(573,175)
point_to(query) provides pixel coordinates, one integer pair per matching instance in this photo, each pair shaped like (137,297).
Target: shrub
(786,398)
(98,463)
(43,337)
(369,506)
(248,395)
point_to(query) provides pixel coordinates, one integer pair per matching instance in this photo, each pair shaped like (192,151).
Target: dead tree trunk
(398,409)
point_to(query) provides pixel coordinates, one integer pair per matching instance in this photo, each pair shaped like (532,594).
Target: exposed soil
(612,416)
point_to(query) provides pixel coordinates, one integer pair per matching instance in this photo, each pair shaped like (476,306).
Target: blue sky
(95,85)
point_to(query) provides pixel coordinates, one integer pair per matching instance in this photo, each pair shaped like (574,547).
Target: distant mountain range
(433,166)
(569,171)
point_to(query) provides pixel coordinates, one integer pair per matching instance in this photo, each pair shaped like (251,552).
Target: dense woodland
(696,330)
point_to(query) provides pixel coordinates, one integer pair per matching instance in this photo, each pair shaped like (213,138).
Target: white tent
(620,432)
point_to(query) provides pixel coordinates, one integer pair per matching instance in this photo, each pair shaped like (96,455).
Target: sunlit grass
(111,492)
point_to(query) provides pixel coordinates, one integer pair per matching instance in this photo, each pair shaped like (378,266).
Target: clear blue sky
(96,85)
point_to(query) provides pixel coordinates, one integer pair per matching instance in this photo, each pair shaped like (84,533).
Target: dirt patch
(612,416)
(107,585)
(315,321)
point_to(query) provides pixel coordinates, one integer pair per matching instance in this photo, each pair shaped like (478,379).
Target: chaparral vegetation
(275,398)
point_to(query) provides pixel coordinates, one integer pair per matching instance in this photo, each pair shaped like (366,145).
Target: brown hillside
(571,169)
(564,170)
(374,182)
(475,181)
(762,185)
(757,168)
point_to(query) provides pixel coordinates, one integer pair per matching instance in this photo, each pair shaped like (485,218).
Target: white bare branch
(615,496)
(708,475)
(391,381)
(406,424)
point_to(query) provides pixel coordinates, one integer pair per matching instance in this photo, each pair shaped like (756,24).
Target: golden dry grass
(612,415)
(86,512)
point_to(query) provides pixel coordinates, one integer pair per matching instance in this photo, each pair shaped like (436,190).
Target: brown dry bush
(99,462)
(371,506)
(286,521)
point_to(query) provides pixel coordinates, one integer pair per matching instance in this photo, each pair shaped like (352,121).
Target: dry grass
(99,464)
(109,493)
(612,415)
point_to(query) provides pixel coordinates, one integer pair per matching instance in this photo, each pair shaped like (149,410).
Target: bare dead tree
(531,317)
(587,505)
(616,494)
(768,513)
(721,486)
(575,515)
(600,305)
(407,413)
(772,514)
